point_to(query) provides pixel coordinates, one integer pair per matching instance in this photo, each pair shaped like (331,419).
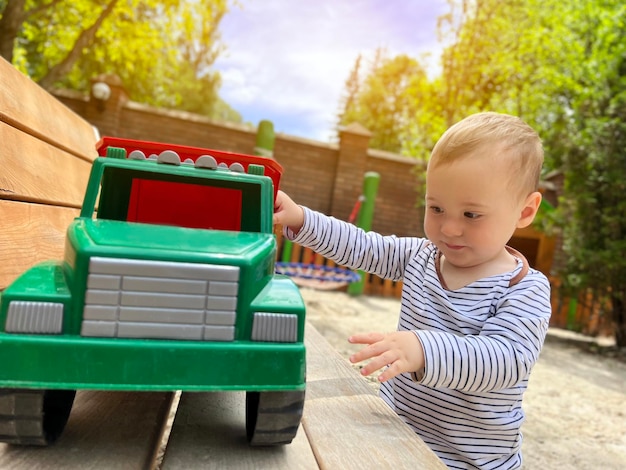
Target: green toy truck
(167,283)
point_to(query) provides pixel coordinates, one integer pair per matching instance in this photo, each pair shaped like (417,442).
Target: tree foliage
(594,162)
(566,77)
(162,50)
(561,66)
(383,97)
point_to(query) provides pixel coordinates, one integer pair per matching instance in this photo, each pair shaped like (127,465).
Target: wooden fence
(588,313)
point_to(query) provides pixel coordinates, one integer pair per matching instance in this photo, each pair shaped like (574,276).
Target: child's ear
(529,210)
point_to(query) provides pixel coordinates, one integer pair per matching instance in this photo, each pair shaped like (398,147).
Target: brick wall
(324,177)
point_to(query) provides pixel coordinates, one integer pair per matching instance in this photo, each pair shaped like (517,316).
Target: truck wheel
(273,418)
(34,417)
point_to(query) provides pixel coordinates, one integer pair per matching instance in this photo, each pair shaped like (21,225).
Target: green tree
(348,106)
(514,56)
(467,28)
(383,100)
(162,50)
(561,66)
(594,162)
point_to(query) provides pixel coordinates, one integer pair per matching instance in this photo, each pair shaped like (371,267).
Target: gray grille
(275,327)
(130,298)
(34,317)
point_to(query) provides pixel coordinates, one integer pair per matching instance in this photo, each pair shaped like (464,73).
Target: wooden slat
(397,292)
(27,106)
(348,426)
(105,430)
(30,233)
(209,432)
(33,170)
(345,426)
(296,252)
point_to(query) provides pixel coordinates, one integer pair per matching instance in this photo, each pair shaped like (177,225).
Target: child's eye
(471,215)
(436,210)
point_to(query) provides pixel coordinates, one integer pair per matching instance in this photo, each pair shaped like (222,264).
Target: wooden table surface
(345,426)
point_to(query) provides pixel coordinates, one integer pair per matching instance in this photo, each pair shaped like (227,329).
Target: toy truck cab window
(172,199)
(169,201)
(185,205)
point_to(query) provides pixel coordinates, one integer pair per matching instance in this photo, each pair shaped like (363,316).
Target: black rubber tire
(34,417)
(273,418)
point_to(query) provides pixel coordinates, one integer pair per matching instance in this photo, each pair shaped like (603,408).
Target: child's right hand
(288,213)
(401,351)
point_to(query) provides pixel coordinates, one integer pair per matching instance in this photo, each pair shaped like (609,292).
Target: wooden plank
(27,106)
(35,171)
(209,432)
(105,430)
(397,292)
(30,233)
(345,426)
(348,426)
(296,252)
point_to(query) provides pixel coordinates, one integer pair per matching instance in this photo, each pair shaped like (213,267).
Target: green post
(285,257)
(265,139)
(364,219)
(265,147)
(571,314)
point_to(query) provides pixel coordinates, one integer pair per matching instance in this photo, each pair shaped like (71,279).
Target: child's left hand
(401,350)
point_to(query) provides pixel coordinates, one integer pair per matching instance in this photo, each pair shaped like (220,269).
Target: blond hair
(507,135)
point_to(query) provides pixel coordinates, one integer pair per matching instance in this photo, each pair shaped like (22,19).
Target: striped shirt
(480,342)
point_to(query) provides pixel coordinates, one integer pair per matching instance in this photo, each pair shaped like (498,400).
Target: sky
(288,60)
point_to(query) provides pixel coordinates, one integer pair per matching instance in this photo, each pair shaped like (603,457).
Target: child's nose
(451,227)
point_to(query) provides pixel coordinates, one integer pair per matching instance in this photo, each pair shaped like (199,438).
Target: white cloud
(288,60)
(237,80)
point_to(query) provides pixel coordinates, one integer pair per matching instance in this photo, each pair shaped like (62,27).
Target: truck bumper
(54,362)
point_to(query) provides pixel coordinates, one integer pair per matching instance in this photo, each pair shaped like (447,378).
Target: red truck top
(273,169)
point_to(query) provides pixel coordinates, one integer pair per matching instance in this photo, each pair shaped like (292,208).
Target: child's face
(471,209)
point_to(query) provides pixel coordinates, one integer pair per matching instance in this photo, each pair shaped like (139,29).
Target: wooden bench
(46,152)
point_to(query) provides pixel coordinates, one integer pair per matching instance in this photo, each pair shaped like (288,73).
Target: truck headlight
(34,317)
(275,327)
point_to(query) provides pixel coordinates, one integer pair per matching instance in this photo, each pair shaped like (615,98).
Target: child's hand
(401,350)
(287,212)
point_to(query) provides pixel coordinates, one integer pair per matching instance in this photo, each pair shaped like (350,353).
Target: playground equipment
(317,276)
(364,219)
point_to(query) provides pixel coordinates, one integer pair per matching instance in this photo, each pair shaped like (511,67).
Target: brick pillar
(351,167)
(104,109)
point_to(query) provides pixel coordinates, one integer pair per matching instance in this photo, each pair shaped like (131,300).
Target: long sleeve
(502,354)
(350,246)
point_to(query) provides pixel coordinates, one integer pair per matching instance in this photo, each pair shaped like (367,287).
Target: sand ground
(576,399)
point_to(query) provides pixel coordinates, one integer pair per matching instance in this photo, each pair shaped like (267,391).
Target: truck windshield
(183,202)
(184,205)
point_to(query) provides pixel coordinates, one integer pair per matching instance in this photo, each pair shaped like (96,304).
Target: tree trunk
(84,39)
(10,23)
